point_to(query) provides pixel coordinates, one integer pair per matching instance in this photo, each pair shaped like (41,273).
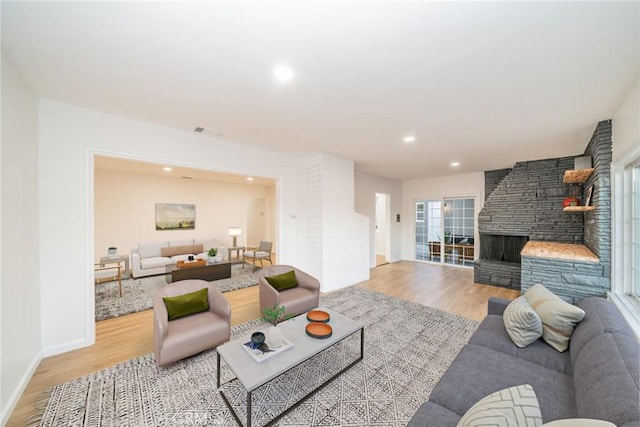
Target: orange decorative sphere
(570,201)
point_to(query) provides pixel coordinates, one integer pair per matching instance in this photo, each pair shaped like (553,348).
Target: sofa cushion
(154,262)
(187,304)
(432,414)
(601,316)
(607,379)
(512,407)
(558,316)
(491,333)
(150,249)
(522,322)
(479,371)
(181,242)
(579,422)
(284,281)
(171,251)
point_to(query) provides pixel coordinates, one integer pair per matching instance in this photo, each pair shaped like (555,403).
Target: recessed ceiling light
(455,164)
(167,169)
(249,178)
(409,138)
(283,73)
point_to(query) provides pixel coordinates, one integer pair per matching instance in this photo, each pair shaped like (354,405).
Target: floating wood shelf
(577,176)
(579,208)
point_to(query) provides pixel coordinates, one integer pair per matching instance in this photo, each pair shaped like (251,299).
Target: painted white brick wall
(336,238)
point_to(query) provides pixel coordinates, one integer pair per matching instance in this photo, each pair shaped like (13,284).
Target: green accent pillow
(187,304)
(283,281)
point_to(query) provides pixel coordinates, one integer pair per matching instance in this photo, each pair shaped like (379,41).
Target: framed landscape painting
(175,216)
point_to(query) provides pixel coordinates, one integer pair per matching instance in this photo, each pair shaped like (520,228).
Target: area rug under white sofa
(138,294)
(408,347)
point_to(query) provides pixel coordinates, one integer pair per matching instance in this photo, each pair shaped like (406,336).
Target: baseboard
(63,348)
(17,393)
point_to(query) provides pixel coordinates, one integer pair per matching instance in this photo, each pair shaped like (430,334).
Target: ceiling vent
(199,129)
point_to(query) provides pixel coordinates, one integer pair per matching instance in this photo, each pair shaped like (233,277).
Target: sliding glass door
(459,231)
(428,230)
(444,230)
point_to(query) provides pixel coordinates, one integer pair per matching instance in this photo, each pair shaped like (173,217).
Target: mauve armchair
(189,335)
(297,300)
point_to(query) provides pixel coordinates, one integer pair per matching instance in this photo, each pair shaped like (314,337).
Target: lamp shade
(235,231)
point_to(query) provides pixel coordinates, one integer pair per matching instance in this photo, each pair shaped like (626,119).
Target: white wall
(625,124)
(20,339)
(125,209)
(366,187)
(332,231)
(469,185)
(69,137)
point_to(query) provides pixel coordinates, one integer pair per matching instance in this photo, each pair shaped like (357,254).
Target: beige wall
(125,209)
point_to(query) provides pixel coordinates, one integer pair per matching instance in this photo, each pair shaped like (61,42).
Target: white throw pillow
(579,422)
(522,322)
(559,318)
(512,407)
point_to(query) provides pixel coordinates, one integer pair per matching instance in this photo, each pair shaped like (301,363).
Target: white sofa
(151,258)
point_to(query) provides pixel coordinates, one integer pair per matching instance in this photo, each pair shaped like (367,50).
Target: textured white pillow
(512,407)
(559,318)
(522,322)
(579,422)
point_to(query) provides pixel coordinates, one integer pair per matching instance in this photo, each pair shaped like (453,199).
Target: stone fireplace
(526,237)
(504,248)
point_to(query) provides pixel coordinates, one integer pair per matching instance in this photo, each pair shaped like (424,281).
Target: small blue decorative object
(257,339)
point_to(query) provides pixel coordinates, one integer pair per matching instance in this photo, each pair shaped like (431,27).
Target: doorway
(444,230)
(382,229)
(256,222)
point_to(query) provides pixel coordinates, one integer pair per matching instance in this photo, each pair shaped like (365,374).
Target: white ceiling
(485,84)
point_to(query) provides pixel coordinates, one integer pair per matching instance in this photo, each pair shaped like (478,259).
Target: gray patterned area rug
(407,349)
(138,294)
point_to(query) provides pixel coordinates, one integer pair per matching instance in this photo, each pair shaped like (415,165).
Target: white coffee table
(253,374)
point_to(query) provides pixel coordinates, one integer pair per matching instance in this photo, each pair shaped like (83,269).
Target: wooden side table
(239,253)
(116,258)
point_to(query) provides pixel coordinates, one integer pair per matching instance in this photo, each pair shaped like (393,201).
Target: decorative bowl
(318,330)
(318,316)
(257,338)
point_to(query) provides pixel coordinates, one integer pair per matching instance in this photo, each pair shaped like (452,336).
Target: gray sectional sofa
(598,377)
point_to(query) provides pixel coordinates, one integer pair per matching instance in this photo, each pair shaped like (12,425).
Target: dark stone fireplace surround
(525,202)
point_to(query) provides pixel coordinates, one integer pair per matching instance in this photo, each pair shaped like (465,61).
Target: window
(419,211)
(625,280)
(635,227)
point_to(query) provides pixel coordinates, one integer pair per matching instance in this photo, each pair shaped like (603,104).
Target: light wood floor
(448,288)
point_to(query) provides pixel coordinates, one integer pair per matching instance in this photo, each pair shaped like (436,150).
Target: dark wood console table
(208,272)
